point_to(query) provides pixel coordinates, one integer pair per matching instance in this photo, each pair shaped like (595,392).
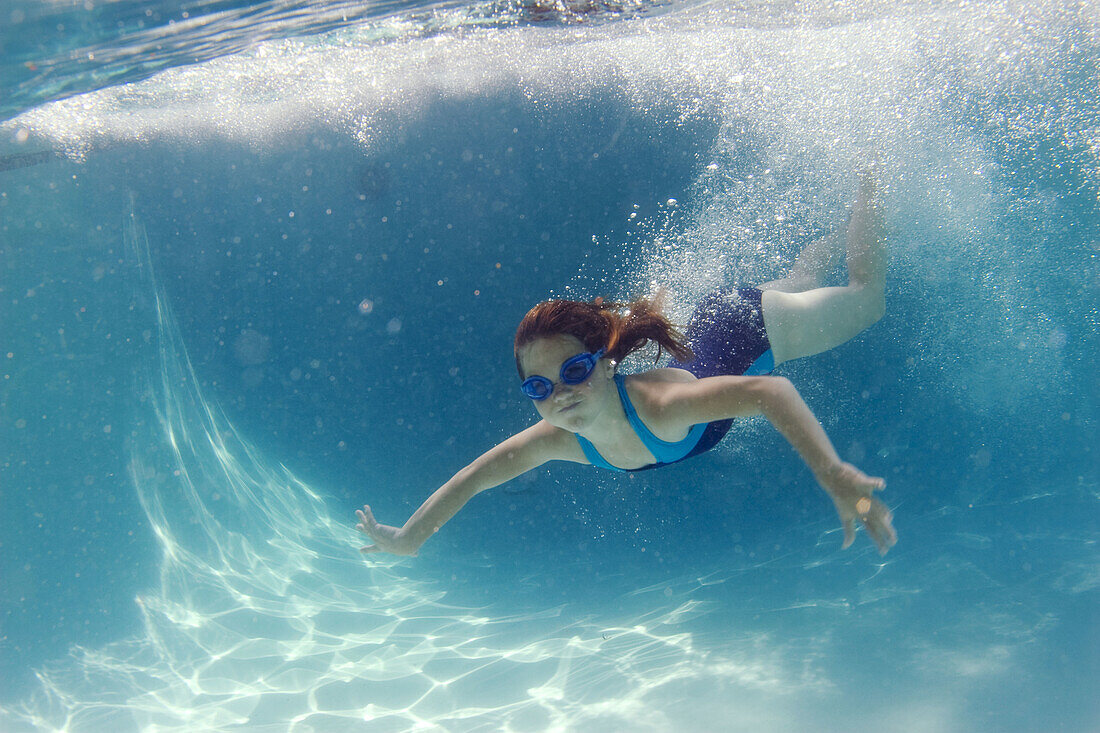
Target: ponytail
(620,329)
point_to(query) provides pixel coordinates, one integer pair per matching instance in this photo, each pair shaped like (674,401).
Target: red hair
(620,329)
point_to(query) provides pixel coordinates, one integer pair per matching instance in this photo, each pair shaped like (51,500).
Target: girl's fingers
(882,534)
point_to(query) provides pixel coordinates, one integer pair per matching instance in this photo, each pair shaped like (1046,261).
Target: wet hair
(619,328)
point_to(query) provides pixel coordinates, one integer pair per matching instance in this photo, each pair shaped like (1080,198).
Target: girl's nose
(563,391)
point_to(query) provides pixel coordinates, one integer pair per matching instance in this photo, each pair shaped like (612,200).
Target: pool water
(264,266)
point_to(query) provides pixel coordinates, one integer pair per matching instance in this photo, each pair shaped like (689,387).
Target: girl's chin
(570,420)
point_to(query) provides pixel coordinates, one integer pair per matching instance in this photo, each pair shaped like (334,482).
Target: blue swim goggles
(574,370)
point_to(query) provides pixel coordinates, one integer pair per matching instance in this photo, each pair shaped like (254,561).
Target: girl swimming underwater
(567,353)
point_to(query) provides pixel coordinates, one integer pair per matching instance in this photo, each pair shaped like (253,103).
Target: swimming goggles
(574,370)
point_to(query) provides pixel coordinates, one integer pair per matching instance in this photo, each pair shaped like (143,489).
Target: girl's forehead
(547,353)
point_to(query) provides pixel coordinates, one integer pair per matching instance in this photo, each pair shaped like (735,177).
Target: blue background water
(338,236)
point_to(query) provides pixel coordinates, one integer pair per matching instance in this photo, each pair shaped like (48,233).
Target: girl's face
(570,407)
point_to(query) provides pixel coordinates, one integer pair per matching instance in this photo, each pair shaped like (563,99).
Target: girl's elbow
(778,385)
(779,391)
(465,483)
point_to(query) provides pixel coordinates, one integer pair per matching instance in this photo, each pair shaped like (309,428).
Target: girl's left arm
(717,398)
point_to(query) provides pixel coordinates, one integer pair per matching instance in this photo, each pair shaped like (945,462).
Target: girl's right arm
(518,454)
(852,492)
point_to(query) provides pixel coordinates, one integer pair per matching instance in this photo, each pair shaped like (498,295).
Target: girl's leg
(816,260)
(809,322)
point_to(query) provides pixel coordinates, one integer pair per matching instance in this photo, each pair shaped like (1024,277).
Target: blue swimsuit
(727,336)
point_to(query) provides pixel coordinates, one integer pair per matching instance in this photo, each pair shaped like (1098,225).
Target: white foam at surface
(841,87)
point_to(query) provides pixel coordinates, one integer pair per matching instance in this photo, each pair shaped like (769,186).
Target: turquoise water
(276,277)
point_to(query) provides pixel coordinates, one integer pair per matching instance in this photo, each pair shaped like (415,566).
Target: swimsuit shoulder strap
(590,451)
(664,451)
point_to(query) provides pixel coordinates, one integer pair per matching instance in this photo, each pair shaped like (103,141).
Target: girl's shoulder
(655,391)
(658,377)
(659,397)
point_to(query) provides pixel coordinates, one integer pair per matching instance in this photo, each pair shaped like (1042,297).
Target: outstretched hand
(852,492)
(386,538)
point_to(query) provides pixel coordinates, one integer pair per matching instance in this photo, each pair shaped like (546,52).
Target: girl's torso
(645,434)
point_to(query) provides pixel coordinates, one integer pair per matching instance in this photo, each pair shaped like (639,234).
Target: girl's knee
(874,306)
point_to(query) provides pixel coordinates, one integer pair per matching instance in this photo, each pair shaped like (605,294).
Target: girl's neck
(611,426)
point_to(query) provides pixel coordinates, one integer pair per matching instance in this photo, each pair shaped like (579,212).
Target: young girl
(567,353)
